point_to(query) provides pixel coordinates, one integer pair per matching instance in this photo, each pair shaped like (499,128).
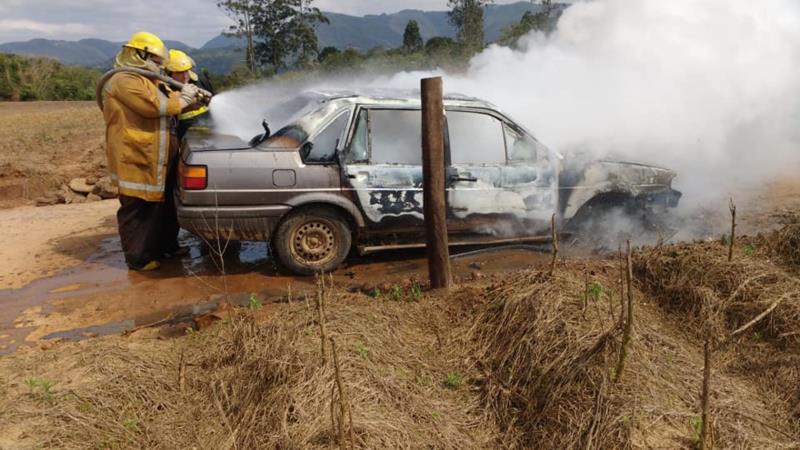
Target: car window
(395,136)
(358,151)
(521,147)
(475,138)
(324,145)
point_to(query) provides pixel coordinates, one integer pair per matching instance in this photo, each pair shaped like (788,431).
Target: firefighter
(138,111)
(180,69)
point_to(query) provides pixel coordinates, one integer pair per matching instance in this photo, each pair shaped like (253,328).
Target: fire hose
(203,96)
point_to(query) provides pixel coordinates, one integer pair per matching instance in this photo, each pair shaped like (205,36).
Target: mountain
(386,30)
(95,53)
(220,54)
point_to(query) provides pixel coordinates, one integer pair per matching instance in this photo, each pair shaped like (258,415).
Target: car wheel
(309,242)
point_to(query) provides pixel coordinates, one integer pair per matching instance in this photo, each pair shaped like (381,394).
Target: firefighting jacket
(138,116)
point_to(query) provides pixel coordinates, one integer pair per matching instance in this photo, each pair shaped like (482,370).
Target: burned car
(346,174)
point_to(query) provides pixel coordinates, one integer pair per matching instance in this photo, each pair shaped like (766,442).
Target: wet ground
(100,296)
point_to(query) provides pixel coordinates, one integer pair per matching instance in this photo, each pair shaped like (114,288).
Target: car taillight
(194,178)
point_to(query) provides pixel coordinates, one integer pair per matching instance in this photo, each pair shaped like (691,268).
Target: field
(44,145)
(514,356)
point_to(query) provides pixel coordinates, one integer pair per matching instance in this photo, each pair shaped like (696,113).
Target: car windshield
(305,123)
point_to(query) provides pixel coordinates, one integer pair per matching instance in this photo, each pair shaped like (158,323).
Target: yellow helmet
(149,43)
(179,61)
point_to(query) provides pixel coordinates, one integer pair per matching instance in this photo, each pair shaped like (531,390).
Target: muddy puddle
(101,296)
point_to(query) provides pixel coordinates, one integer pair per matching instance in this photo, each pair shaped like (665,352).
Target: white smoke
(710,88)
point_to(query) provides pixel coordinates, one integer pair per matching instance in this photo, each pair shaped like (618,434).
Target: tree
(467,17)
(285,29)
(543,20)
(241,11)
(412,39)
(327,53)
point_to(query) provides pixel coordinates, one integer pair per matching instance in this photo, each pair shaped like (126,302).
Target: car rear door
(382,165)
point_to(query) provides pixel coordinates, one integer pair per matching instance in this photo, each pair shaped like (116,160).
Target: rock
(105,188)
(91,180)
(93,198)
(74,197)
(475,275)
(206,321)
(49,199)
(80,186)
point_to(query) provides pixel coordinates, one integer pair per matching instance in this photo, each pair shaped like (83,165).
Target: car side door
(502,181)
(476,199)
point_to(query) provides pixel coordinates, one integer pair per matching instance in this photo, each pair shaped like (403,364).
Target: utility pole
(433,183)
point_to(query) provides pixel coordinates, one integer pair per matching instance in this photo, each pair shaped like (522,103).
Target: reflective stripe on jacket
(137,116)
(194,113)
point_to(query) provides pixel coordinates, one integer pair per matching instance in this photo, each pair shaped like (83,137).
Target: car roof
(392,97)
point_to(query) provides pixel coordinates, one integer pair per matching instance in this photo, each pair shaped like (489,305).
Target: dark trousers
(169,216)
(140,229)
(147,230)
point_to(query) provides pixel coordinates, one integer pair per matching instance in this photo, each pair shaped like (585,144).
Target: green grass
(454,380)
(415,292)
(697,426)
(39,388)
(254,303)
(362,349)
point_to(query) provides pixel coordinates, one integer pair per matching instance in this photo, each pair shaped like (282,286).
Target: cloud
(58,29)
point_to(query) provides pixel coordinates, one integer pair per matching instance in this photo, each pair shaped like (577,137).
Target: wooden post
(705,426)
(732,208)
(555,245)
(433,183)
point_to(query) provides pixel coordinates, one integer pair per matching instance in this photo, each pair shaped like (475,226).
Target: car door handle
(459,178)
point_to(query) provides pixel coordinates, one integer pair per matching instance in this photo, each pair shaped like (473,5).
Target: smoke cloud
(710,88)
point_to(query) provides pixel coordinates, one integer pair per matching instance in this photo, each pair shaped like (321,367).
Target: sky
(193,22)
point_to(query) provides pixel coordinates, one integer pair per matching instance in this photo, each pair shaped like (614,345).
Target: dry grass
(249,384)
(749,306)
(547,356)
(45,144)
(785,243)
(523,361)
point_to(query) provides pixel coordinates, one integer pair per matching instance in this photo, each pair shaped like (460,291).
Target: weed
(396,293)
(749,250)
(415,292)
(454,380)
(131,425)
(697,425)
(362,349)
(595,290)
(39,388)
(254,302)
(190,331)
(376,293)
(724,240)
(757,336)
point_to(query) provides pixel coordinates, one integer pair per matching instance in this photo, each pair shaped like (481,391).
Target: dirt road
(65,276)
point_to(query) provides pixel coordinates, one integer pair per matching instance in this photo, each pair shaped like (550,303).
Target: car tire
(309,241)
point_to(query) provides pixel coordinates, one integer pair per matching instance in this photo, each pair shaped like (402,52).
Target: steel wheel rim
(314,242)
